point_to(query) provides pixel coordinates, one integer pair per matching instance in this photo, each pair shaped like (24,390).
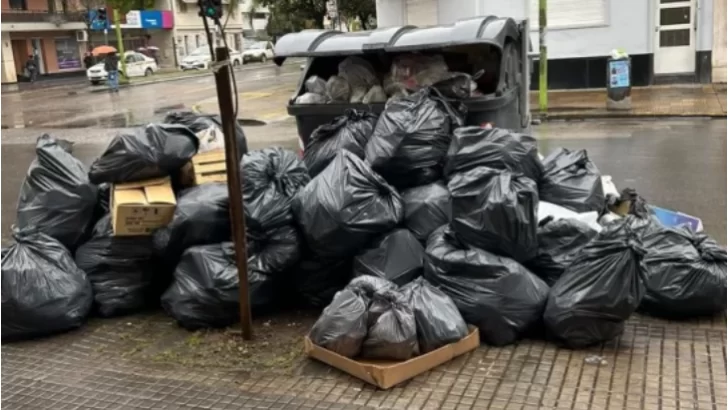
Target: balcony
(42,16)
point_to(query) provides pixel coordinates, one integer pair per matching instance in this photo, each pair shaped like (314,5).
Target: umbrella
(103,50)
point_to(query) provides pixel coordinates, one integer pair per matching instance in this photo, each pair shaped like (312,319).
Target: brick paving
(656,364)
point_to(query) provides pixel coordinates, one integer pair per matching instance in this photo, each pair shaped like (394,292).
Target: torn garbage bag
(346,207)
(342,326)
(573,181)
(438,320)
(393,335)
(202,217)
(496,294)
(495,210)
(43,291)
(207,125)
(154,151)
(120,268)
(559,242)
(686,272)
(411,138)
(426,208)
(205,288)
(350,131)
(600,289)
(497,148)
(396,256)
(56,197)
(271,178)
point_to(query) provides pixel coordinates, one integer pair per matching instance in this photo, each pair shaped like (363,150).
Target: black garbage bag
(277,252)
(367,285)
(426,208)
(121,269)
(342,326)
(43,291)
(393,332)
(350,131)
(438,320)
(495,210)
(206,123)
(686,273)
(56,197)
(317,280)
(202,217)
(205,290)
(572,180)
(157,150)
(346,207)
(600,289)
(411,138)
(397,256)
(496,294)
(497,148)
(559,242)
(272,177)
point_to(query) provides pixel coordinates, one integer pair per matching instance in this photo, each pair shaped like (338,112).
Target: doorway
(36,46)
(675,37)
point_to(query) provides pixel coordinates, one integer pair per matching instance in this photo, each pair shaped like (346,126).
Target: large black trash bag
(43,291)
(200,123)
(393,333)
(202,217)
(271,178)
(559,242)
(686,272)
(317,280)
(121,269)
(277,252)
(342,326)
(396,256)
(205,289)
(350,131)
(438,320)
(497,148)
(495,210)
(368,285)
(426,208)
(600,289)
(411,138)
(346,207)
(56,197)
(496,294)
(154,151)
(572,180)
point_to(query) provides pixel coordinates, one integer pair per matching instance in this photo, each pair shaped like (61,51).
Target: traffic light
(211,9)
(101,15)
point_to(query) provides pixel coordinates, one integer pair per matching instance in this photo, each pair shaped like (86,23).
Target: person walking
(88,60)
(111,65)
(32,68)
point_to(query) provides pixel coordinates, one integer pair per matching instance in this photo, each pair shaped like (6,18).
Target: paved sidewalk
(691,100)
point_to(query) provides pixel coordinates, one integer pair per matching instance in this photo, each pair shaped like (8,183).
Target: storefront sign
(146,19)
(133,19)
(67,53)
(151,19)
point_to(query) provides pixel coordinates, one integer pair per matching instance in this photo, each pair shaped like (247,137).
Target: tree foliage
(363,9)
(294,15)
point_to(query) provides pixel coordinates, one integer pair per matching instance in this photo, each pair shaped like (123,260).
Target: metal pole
(543,97)
(232,163)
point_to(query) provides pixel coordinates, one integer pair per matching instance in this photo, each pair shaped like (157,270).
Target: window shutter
(571,13)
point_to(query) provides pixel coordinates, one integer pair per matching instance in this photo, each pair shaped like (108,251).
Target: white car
(137,65)
(261,51)
(200,59)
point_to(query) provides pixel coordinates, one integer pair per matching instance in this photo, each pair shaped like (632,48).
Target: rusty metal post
(232,163)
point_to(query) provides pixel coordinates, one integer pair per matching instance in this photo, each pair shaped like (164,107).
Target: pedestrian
(111,65)
(32,68)
(88,60)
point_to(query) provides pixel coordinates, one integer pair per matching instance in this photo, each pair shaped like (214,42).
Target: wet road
(675,164)
(76,106)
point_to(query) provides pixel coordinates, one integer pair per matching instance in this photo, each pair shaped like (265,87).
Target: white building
(667,40)
(254,19)
(190,30)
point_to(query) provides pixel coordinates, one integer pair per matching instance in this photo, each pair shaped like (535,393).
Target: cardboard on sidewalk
(139,208)
(386,373)
(205,167)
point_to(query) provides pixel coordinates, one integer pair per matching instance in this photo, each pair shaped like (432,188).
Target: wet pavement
(133,362)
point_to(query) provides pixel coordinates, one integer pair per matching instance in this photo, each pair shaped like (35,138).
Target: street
(146,361)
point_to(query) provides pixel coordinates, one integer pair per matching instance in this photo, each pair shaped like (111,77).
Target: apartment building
(255,19)
(52,31)
(189,31)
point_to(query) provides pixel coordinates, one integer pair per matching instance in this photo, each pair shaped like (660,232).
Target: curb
(561,117)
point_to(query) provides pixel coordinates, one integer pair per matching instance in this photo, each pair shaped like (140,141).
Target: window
(67,53)
(571,13)
(18,5)
(183,7)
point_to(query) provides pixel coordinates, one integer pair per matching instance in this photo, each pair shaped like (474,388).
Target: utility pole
(120,41)
(543,97)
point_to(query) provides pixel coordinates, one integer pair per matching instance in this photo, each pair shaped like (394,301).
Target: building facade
(668,40)
(254,19)
(190,31)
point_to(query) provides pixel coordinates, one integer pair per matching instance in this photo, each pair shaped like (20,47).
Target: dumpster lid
(489,30)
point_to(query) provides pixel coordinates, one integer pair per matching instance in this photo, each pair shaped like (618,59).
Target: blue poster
(619,74)
(95,23)
(151,18)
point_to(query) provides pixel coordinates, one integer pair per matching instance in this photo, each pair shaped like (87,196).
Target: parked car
(137,65)
(200,59)
(261,51)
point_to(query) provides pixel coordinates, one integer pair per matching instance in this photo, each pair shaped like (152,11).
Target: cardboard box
(386,374)
(139,208)
(205,167)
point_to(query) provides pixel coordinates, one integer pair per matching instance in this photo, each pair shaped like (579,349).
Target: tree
(120,7)
(311,12)
(363,9)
